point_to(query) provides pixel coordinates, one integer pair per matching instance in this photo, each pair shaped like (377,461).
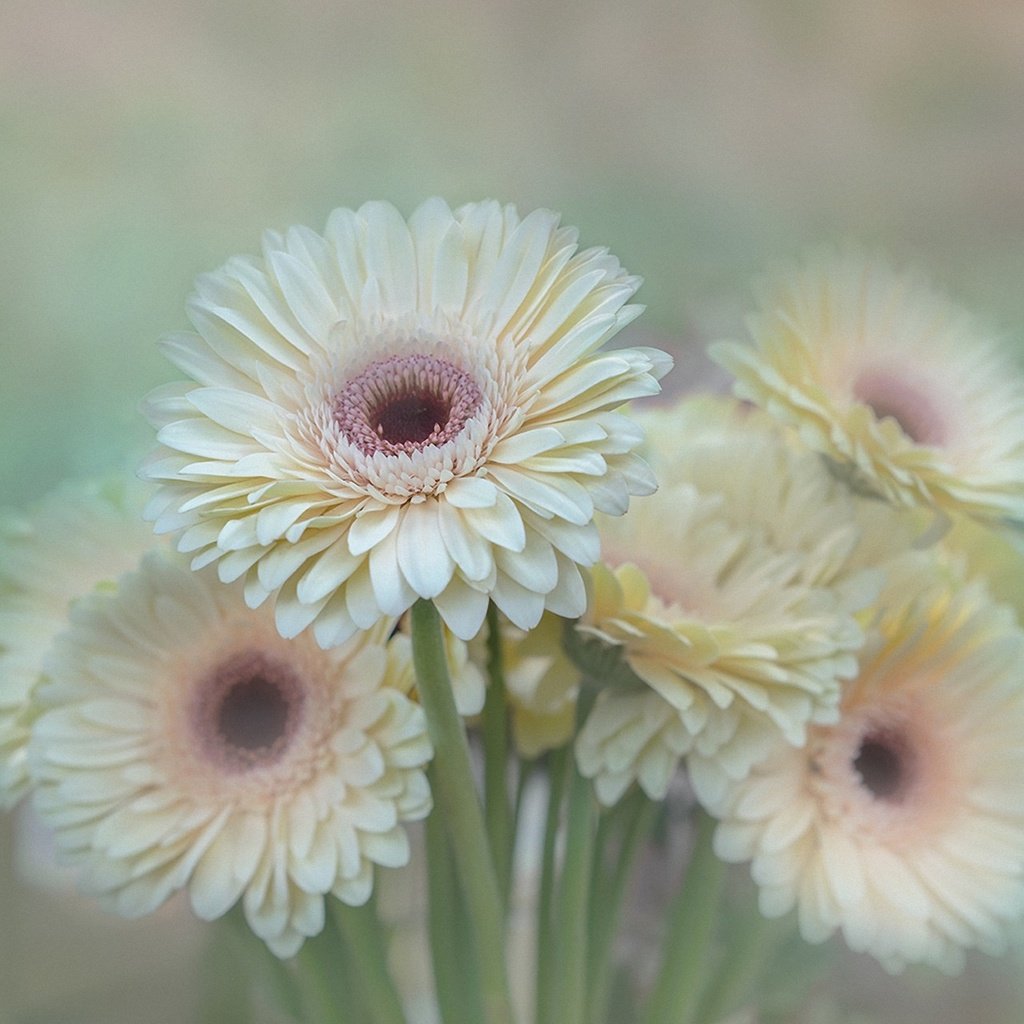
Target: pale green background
(142,142)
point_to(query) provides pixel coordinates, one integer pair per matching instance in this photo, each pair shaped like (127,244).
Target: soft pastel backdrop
(143,141)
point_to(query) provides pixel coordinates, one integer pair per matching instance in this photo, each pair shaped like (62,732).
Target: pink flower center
(405,403)
(890,395)
(885,765)
(246,712)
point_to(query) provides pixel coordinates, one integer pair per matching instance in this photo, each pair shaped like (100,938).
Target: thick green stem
(558,764)
(267,973)
(222,1000)
(456,977)
(365,944)
(498,808)
(329,992)
(691,925)
(607,894)
(574,891)
(734,983)
(457,801)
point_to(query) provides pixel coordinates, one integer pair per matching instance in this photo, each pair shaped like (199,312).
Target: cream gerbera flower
(902,824)
(404,410)
(77,537)
(731,594)
(183,743)
(891,381)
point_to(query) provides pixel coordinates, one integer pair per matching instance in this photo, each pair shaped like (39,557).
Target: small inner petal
(405,403)
(247,710)
(890,395)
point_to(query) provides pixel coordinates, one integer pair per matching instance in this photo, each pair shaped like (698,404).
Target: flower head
(892,382)
(78,537)
(183,743)
(730,594)
(402,410)
(903,823)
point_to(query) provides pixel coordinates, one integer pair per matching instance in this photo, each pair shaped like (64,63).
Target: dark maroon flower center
(253,714)
(885,765)
(411,419)
(405,403)
(247,710)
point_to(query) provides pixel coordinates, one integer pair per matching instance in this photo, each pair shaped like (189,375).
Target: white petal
(424,561)
(471,553)
(462,608)
(327,573)
(390,259)
(501,524)
(370,528)
(471,492)
(392,593)
(522,606)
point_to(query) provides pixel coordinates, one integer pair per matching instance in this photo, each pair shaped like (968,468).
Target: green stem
(734,984)
(606,900)
(558,763)
(574,891)
(266,971)
(691,924)
(328,993)
(459,804)
(498,808)
(222,999)
(456,979)
(360,928)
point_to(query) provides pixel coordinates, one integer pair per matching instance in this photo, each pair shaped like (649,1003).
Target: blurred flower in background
(144,142)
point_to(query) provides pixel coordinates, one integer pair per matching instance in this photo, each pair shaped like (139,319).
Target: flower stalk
(365,944)
(497,807)
(459,804)
(558,768)
(691,925)
(574,890)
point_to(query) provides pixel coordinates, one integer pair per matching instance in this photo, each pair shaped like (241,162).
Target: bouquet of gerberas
(404,585)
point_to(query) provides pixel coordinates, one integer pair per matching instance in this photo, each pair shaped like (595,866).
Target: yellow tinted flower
(892,382)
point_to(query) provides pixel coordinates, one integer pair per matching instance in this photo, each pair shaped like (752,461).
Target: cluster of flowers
(801,610)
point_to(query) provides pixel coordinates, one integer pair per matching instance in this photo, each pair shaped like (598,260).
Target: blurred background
(145,141)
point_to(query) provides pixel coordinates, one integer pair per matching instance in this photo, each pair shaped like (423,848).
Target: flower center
(247,710)
(405,403)
(889,395)
(884,765)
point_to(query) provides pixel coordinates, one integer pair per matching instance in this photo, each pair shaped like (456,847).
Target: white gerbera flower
(893,382)
(902,824)
(77,537)
(731,594)
(404,410)
(183,743)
